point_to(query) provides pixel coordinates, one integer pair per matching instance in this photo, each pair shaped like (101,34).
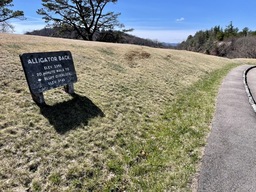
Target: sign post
(48,70)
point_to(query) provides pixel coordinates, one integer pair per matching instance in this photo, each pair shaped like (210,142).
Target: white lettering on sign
(57,66)
(49,72)
(61,80)
(51,59)
(47,67)
(60,70)
(59,75)
(65,57)
(54,74)
(42,60)
(49,78)
(51,83)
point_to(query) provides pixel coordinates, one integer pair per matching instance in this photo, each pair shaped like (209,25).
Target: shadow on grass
(70,114)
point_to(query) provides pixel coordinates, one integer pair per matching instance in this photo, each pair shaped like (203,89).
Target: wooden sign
(48,70)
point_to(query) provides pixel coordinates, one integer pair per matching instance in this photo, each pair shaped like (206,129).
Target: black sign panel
(48,70)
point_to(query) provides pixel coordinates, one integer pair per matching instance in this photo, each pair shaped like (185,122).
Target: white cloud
(168,36)
(180,19)
(32,23)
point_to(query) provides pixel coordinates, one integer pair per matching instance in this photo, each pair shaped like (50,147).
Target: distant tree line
(227,42)
(112,36)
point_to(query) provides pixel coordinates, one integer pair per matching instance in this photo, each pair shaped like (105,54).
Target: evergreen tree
(231,31)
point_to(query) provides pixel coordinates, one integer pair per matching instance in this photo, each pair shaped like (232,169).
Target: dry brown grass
(71,145)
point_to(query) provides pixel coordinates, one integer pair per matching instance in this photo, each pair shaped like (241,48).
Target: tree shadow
(70,114)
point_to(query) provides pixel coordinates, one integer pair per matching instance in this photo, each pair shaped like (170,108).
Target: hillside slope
(86,142)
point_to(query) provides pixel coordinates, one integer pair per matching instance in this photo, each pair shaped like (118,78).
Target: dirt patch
(132,56)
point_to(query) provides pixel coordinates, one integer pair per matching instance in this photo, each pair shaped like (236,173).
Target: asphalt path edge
(247,89)
(228,162)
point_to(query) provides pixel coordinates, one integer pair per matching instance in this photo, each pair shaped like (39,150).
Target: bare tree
(7,14)
(86,17)
(244,47)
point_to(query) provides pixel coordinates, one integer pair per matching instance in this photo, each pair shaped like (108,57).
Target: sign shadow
(70,114)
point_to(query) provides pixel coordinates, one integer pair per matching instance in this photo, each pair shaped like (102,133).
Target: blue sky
(163,20)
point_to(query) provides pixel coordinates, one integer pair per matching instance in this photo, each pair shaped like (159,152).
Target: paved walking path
(229,163)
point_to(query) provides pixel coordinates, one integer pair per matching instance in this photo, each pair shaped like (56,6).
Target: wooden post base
(38,98)
(69,88)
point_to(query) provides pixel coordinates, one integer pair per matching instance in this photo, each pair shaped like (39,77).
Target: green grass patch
(165,155)
(55,178)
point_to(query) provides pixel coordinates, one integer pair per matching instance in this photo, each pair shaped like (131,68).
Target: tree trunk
(90,37)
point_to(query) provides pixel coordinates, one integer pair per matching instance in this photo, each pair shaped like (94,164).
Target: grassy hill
(139,120)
